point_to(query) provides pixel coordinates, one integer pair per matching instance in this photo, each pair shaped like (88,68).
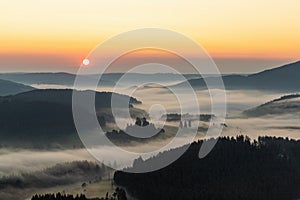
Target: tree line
(118,194)
(237,168)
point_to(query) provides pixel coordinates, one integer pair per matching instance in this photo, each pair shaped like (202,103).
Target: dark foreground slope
(235,169)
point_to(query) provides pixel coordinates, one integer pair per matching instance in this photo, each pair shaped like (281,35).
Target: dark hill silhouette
(64,97)
(288,70)
(285,78)
(235,169)
(289,104)
(11,88)
(43,118)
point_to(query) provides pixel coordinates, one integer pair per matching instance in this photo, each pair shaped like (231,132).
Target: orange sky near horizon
(62,33)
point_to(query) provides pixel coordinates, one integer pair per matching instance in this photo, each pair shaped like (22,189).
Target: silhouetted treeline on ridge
(119,194)
(59,196)
(267,168)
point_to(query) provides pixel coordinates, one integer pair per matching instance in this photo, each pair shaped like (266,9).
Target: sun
(86,62)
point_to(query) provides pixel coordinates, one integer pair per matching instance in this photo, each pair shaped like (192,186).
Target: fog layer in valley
(162,101)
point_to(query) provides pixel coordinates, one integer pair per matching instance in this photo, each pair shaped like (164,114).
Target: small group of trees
(187,123)
(141,127)
(141,121)
(119,194)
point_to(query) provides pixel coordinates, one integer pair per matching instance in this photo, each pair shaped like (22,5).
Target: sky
(55,35)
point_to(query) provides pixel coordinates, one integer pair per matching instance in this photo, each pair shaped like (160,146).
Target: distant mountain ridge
(11,88)
(59,78)
(284,78)
(108,79)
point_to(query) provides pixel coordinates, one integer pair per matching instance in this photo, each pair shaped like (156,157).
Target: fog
(17,161)
(279,126)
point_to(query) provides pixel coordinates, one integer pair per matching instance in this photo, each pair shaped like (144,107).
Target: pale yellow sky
(67,30)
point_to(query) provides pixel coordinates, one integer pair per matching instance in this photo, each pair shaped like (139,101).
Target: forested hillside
(268,168)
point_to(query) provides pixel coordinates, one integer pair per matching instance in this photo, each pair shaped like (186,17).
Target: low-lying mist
(18,161)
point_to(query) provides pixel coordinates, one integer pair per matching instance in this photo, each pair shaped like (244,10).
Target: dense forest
(237,168)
